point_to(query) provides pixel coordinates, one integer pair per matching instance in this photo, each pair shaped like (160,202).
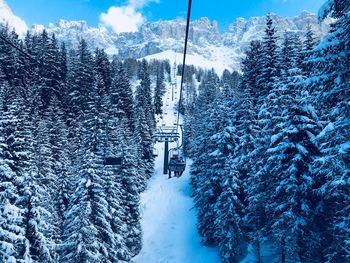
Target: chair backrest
(113,160)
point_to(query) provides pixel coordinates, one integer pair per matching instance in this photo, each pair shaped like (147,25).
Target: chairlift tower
(166,134)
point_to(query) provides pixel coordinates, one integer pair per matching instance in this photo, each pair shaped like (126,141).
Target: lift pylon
(166,134)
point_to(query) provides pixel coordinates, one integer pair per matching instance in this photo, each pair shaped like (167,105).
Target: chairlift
(176,164)
(113,161)
(155,152)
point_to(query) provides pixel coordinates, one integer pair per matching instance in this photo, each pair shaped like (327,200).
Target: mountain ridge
(164,38)
(205,38)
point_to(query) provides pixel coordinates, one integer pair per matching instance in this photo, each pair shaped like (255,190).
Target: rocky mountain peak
(205,39)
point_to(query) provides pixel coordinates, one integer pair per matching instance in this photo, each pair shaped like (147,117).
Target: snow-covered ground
(221,59)
(168,213)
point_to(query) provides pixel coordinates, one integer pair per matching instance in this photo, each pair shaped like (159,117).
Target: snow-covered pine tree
(88,234)
(8,55)
(308,44)
(114,190)
(292,149)
(213,146)
(159,90)
(229,219)
(269,66)
(145,121)
(11,230)
(131,180)
(103,68)
(121,96)
(50,79)
(261,87)
(146,100)
(329,81)
(60,185)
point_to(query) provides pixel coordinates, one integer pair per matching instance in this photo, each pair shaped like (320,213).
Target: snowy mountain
(13,21)
(163,39)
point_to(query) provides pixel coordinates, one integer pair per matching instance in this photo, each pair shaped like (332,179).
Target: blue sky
(114,13)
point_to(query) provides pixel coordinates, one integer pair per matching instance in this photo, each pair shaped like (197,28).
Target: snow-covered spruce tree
(205,180)
(60,164)
(214,145)
(207,94)
(159,90)
(11,230)
(146,99)
(308,45)
(88,235)
(35,219)
(8,56)
(121,96)
(248,148)
(265,94)
(129,177)
(103,68)
(260,101)
(291,151)
(269,66)
(114,189)
(131,180)
(145,121)
(246,109)
(80,80)
(229,219)
(50,78)
(144,143)
(329,81)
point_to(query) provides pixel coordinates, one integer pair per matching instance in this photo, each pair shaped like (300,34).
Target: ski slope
(168,213)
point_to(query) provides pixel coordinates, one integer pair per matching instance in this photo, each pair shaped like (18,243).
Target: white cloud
(7,17)
(126,18)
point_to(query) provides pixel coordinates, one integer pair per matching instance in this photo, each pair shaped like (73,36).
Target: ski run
(168,215)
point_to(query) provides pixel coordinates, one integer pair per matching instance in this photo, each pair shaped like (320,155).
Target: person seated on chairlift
(176,161)
(173,162)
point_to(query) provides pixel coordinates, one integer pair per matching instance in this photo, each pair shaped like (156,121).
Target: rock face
(205,38)
(242,31)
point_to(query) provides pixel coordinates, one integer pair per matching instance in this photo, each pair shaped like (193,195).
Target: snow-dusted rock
(205,39)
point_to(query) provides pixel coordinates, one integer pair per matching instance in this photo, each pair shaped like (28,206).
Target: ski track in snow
(168,216)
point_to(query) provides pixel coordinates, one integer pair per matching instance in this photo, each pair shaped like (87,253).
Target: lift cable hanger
(184,60)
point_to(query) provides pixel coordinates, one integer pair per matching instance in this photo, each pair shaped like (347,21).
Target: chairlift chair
(113,161)
(155,152)
(177,163)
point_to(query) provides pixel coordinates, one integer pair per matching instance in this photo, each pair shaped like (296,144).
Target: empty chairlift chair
(155,152)
(113,161)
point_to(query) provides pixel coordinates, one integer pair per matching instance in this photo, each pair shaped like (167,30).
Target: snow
(7,17)
(325,9)
(168,214)
(344,148)
(219,60)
